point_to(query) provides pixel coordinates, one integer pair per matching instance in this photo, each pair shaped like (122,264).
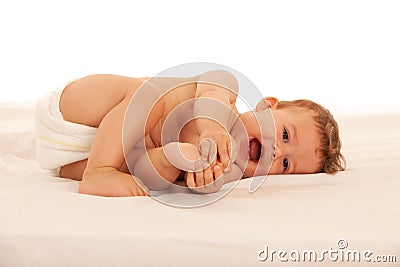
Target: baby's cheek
(274,168)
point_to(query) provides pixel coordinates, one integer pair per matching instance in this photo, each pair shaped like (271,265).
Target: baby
(122,136)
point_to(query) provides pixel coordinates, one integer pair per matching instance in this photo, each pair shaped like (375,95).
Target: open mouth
(254,149)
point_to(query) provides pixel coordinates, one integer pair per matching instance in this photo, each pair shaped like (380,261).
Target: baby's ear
(268,102)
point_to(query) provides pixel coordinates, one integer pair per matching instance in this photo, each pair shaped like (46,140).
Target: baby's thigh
(88,100)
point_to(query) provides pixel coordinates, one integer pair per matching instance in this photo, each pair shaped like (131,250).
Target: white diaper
(59,142)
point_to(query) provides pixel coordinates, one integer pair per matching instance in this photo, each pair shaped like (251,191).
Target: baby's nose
(277,152)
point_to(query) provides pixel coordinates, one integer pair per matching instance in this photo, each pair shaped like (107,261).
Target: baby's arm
(216,95)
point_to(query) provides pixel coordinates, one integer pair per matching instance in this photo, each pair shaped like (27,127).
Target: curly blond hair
(328,129)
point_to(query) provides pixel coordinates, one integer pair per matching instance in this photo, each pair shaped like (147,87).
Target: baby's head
(331,159)
(307,138)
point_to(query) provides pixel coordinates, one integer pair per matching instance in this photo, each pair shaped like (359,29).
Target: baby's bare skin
(268,140)
(105,172)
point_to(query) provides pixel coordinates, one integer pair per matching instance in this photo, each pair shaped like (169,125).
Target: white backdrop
(343,54)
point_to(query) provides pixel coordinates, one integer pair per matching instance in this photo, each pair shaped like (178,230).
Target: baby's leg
(74,170)
(87,100)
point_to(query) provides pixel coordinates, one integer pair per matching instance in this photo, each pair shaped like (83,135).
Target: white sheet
(44,222)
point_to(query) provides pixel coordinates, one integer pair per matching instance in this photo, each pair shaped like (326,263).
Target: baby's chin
(250,169)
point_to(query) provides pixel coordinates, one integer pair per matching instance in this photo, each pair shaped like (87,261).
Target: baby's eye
(285,135)
(285,164)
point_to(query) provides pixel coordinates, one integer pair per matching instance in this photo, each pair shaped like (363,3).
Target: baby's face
(296,144)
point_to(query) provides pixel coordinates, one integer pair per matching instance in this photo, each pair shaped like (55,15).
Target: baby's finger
(190,180)
(141,185)
(136,191)
(223,152)
(229,148)
(217,172)
(199,178)
(213,152)
(205,149)
(208,176)
(141,192)
(219,178)
(230,153)
(220,165)
(140,189)
(144,191)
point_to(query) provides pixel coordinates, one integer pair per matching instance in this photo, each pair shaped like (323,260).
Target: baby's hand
(205,181)
(112,183)
(222,146)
